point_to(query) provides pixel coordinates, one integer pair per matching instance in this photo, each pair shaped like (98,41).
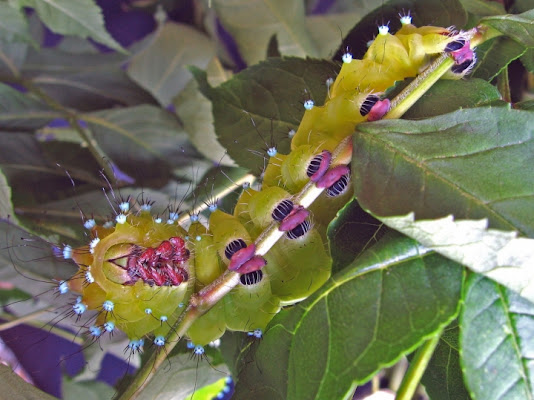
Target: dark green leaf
(261,19)
(15,388)
(443,379)
(59,63)
(24,253)
(81,18)
(343,6)
(366,317)
(525,105)
(33,177)
(6,208)
(87,390)
(497,334)
(495,55)
(84,81)
(8,296)
(20,111)
(520,6)
(152,134)
(449,95)
(272,47)
(182,377)
(175,46)
(519,27)
(483,8)
(195,112)
(268,95)
(424,12)
(352,232)
(327,30)
(528,60)
(12,56)
(13,25)
(470,163)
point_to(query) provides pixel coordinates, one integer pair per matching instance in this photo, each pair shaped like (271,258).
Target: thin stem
(417,368)
(201,207)
(25,318)
(503,85)
(204,300)
(419,86)
(30,320)
(222,286)
(73,120)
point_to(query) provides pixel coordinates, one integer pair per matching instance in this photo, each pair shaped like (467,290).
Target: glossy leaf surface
(381,306)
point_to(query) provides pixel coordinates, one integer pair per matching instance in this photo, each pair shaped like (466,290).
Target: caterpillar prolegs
(139,274)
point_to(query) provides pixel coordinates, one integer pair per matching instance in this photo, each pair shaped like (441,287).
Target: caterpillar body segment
(390,58)
(327,125)
(138,275)
(208,327)
(208,266)
(295,218)
(226,229)
(262,206)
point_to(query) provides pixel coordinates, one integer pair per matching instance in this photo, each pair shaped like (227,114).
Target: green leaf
(24,253)
(195,112)
(327,30)
(87,390)
(528,60)
(151,133)
(499,255)
(483,8)
(469,163)
(73,17)
(352,232)
(20,111)
(261,19)
(6,207)
(497,334)
(343,6)
(443,379)
(59,63)
(520,6)
(14,387)
(382,306)
(261,104)
(84,81)
(519,27)
(160,68)
(495,55)
(8,296)
(32,176)
(13,25)
(525,105)
(459,94)
(12,56)
(181,378)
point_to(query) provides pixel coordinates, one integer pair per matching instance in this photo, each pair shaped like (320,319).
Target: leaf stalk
(417,368)
(204,300)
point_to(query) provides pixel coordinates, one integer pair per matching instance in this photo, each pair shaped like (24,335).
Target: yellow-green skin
(130,301)
(295,268)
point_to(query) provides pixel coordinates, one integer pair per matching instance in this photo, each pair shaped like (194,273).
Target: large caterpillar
(138,273)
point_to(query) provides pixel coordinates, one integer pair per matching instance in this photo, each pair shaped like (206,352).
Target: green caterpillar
(139,274)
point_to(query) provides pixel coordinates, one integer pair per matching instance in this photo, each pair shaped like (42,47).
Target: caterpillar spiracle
(139,273)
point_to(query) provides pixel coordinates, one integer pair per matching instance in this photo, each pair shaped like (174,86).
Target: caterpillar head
(139,264)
